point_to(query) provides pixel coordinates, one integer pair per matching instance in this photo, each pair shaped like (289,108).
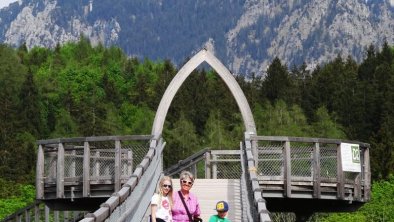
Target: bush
(19,196)
(379,208)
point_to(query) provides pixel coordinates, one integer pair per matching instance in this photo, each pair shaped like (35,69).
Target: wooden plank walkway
(210,191)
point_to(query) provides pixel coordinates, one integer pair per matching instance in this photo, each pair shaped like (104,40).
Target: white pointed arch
(181,76)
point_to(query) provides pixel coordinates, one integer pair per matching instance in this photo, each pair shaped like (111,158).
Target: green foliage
(325,126)
(65,125)
(277,84)
(136,120)
(281,120)
(184,141)
(345,217)
(379,208)
(17,197)
(216,134)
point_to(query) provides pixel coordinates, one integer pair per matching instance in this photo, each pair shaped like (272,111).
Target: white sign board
(351,158)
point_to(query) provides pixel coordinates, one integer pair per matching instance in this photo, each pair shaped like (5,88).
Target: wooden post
(60,172)
(367,175)
(47,213)
(194,170)
(129,162)
(214,167)
(287,170)
(255,152)
(65,215)
(72,167)
(97,172)
(117,165)
(56,216)
(316,171)
(52,168)
(357,186)
(340,175)
(76,215)
(37,212)
(86,170)
(27,215)
(208,165)
(40,173)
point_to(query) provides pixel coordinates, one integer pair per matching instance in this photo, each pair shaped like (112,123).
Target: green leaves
(9,202)
(379,208)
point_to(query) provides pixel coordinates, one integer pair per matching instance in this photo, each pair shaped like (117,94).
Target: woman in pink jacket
(185,199)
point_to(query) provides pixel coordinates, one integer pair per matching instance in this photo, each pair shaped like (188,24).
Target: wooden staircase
(210,191)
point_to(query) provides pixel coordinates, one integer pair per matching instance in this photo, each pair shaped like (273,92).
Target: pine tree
(183,141)
(29,107)
(277,84)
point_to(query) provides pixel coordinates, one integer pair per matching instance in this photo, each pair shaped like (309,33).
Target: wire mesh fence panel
(73,163)
(50,166)
(73,160)
(102,155)
(225,164)
(328,161)
(270,159)
(229,170)
(138,148)
(301,157)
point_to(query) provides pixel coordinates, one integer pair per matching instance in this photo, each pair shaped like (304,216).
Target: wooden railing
(310,168)
(38,211)
(69,167)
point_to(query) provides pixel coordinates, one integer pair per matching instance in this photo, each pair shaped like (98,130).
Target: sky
(4,3)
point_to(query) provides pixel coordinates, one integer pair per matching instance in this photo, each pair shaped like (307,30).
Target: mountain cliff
(245,34)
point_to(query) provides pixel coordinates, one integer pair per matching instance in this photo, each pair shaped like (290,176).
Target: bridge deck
(82,173)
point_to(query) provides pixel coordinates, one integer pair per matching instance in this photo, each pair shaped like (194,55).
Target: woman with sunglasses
(161,202)
(185,199)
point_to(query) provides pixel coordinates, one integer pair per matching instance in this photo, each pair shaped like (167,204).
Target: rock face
(245,34)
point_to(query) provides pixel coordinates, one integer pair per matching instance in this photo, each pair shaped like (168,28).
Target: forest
(77,89)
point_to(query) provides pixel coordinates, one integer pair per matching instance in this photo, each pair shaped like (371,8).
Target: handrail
(245,197)
(22,211)
(260,204)
(38,214)
(296,155)
(116,200)
(94,139)
(307,139)
(58,150)
(183,164)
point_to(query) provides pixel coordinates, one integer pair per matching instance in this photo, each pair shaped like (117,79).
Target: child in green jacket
(222,209)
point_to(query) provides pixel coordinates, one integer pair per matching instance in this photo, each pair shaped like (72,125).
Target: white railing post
(316,170)
(86,170)
(208,165)
(60,172)
(117,165)
(287,170)
(40,173)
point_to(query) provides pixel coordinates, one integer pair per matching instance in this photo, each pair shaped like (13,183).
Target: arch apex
(204,55)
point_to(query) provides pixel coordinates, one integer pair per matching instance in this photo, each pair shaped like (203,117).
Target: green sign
(355,154)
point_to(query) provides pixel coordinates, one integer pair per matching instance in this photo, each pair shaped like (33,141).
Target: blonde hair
(186,174)
(160,189)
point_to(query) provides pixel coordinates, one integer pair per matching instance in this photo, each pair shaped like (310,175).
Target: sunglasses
(165,186)
(187,182)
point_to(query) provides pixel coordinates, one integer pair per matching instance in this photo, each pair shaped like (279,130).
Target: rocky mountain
(245,34)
